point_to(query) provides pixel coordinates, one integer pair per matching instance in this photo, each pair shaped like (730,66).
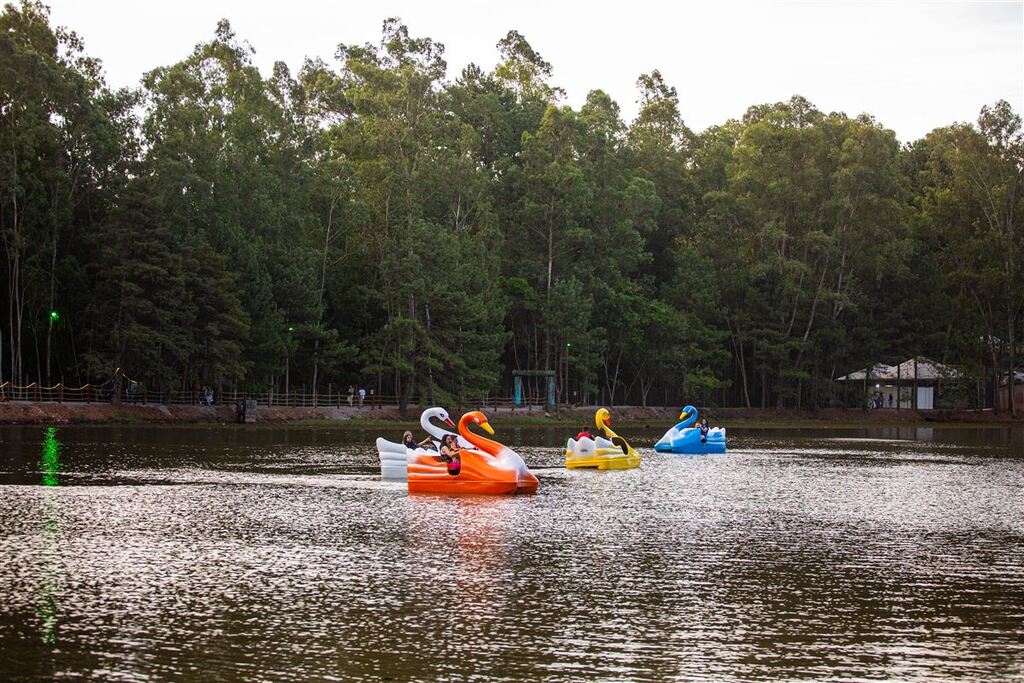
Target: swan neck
(486,445)
(430,428)
(689,420)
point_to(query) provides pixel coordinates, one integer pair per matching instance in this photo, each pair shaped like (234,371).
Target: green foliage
(367,221)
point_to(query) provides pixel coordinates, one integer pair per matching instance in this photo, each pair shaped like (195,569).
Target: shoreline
(29,413)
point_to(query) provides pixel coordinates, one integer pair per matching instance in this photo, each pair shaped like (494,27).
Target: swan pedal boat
(683,439)
(488,467)
(600,452)
(395,457)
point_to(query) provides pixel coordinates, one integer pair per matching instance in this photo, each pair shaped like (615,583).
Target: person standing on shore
(362,396)
(351,394)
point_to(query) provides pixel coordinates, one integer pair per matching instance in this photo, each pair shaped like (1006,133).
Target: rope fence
(134,393)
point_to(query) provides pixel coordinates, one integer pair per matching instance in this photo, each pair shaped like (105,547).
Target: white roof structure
(926,370)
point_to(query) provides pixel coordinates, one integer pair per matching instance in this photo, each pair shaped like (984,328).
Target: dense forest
(369,220)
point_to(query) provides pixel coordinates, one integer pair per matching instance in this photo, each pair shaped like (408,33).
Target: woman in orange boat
(450,454)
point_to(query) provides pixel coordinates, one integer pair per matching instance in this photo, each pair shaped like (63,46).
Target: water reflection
(50,573)
(51,565)
(50,463)
(280,555)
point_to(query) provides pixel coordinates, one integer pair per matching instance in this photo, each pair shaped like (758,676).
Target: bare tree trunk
(738,349)
(49,326)
(547,323)
(1012,363)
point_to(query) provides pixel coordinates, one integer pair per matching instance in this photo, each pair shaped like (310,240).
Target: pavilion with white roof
(909,385)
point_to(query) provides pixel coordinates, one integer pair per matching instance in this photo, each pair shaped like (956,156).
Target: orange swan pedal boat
(488,467)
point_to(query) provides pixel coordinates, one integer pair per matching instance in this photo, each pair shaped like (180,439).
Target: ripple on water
(292,561)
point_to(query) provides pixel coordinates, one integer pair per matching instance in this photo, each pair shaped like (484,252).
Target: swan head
(478,418)
(602,418)
(687,412)
(441,414)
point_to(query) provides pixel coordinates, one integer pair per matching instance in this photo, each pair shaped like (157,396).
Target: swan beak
(683,415)
(487,428)
(449,422)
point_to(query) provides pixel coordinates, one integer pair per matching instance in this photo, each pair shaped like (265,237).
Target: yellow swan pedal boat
(611,453)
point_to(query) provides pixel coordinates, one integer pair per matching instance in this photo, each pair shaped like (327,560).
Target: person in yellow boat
(585,432)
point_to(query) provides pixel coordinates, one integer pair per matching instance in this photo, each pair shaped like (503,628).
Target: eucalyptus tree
(970,202)
(230,160)
(429,227)
(659,145)
(64,141)
(803,214)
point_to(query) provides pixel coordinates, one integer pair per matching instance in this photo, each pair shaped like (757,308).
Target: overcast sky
(913,65)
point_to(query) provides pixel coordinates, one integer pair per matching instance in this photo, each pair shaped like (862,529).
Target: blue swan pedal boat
(685,439)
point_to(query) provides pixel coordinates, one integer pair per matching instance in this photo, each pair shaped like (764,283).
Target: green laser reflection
(49,590)
(51,457)
(52,568)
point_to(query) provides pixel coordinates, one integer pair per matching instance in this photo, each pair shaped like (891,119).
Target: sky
(914,66)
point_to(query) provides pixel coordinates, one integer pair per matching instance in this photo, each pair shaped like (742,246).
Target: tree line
(369,220)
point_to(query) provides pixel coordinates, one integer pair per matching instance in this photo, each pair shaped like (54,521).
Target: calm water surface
(277,554)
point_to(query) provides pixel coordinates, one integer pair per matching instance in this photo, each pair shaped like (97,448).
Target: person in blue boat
(692,436)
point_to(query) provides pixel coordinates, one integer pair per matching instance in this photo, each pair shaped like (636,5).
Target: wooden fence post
(60,392)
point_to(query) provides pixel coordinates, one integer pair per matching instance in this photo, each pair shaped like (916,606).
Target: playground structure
(517,386)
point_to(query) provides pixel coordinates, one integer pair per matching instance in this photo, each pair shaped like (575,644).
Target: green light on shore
(54,315)
(291,329)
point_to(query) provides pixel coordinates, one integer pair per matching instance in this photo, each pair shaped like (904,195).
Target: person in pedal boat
(408,442)
(450,454)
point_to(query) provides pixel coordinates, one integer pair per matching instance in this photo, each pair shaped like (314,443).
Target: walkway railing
(134,393)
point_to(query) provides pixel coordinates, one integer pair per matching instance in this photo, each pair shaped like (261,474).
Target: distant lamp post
(568,347)
(287,362)
(54,317)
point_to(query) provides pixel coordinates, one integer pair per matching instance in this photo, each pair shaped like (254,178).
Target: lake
(277,553)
